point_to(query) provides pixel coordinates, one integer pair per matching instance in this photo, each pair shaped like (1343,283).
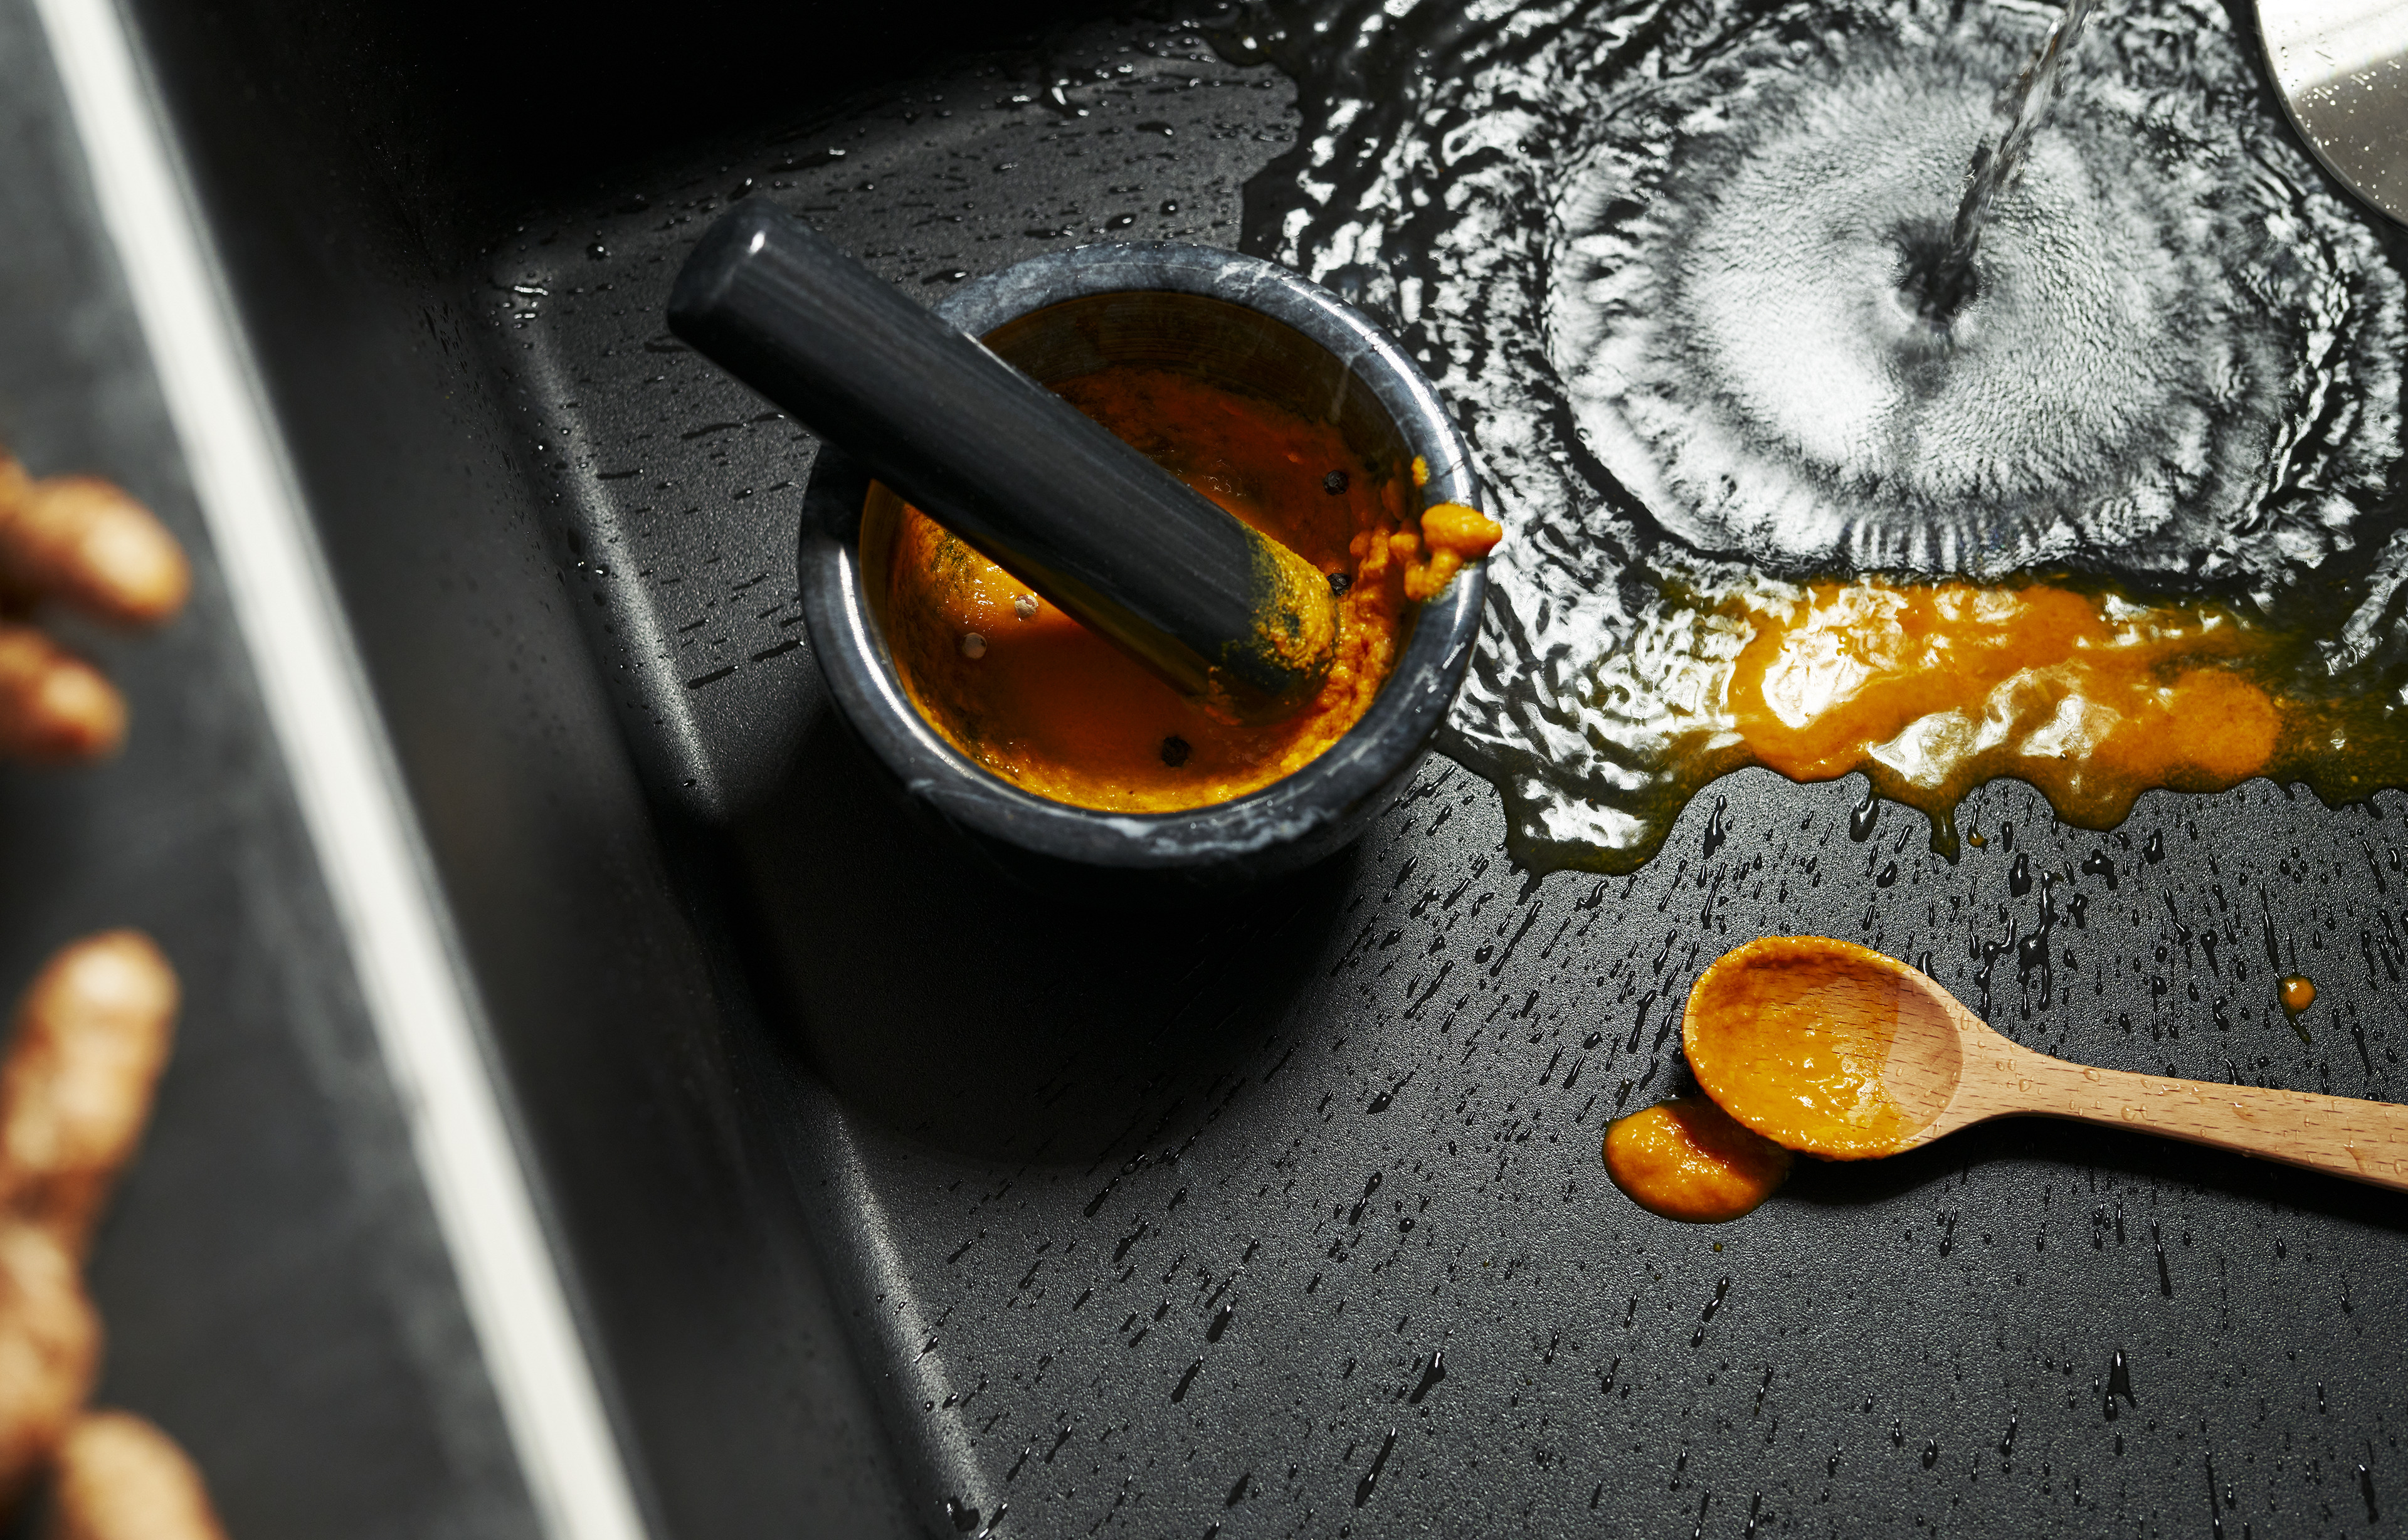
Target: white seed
(973,646)
(1024,606)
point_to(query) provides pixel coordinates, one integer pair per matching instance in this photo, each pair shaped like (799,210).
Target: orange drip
(1451,534)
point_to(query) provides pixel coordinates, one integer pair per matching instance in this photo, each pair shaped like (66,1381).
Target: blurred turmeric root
(50,1351)
(91,1036)
(119,1477)
(84,543)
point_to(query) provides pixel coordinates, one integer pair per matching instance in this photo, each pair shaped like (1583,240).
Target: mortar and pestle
(950,409)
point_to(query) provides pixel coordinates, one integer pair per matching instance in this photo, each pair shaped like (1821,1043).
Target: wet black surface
(1364,1110)
(1377,1141)
(274,1290)
(1158,1224)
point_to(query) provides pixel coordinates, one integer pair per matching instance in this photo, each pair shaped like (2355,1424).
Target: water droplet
(1371,1481)
(1179,1391)
(1722,1287)
(2119,1383)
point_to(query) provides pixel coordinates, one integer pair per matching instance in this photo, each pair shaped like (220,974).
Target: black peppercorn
(1175,750)
(1334,483)
(1339,582)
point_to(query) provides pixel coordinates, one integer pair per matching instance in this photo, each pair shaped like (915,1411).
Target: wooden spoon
(1836,1050)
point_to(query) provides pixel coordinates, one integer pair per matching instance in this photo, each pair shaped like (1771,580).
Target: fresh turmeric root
(84,543)
(50,1352)
(119,1477)
(91,1036)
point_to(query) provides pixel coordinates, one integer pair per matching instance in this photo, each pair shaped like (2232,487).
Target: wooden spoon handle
(2364,1141)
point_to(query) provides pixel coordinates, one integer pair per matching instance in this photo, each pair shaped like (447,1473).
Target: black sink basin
(896,1204)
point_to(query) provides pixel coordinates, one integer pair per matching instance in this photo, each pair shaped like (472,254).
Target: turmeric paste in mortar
(1032,696)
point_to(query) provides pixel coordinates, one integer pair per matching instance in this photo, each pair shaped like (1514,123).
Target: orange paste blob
(1797,1037)
(1031,695)
(1688,1160)
(1933,690)
(1451,534)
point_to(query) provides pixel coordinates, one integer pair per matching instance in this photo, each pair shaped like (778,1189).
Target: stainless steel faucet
(2340,68)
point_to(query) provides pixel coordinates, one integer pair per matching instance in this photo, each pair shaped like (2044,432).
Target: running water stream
(1943,285)
(1662,258)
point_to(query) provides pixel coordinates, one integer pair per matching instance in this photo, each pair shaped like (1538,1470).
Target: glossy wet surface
(1654,254)
(1932,689)
(1289,1217)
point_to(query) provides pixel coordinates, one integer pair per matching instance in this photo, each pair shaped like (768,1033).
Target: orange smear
(1451,535)
(1936,689)
(1688,1160)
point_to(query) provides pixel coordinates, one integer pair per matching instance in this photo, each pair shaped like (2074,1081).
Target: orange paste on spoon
(1792,1040)
(1793,1036)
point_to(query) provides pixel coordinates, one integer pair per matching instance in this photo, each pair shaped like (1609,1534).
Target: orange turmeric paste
(1451,534)
(1688,1160)
(2298,992)
(1935,689)
(1793,1036)
(1031,695)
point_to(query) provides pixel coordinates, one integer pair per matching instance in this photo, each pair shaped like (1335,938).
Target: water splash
(1657,256)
